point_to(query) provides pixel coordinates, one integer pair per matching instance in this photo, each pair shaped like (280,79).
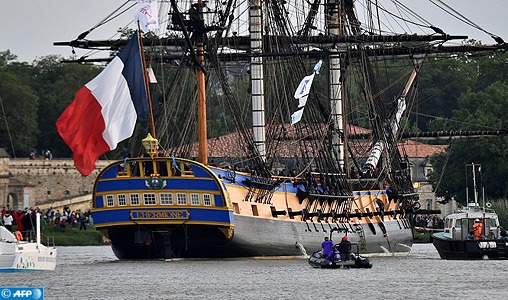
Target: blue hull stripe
(195,214)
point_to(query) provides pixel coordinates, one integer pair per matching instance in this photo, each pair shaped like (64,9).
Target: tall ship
(310,103)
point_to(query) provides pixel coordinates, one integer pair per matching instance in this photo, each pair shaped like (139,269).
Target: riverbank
(70,236)
(73,236)
(422,238)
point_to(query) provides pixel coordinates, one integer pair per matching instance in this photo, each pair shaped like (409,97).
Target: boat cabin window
(207,200)
(181,199)
(110,200)
(166,199)
(134,199)
(194,199)
(458,223)
(149,199)
(122,200)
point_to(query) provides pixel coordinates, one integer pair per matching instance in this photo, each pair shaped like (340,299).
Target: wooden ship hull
(192,210)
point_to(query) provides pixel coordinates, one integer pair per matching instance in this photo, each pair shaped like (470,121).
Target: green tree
(18,128)
(482,110)
(56,84)
(6,57)
(441,83)
(489,68)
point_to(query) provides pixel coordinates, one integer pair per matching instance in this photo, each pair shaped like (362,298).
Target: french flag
(104,111)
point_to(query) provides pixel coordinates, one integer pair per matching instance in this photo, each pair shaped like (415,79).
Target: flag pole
(147,88)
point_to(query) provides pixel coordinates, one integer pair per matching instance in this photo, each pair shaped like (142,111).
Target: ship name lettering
(159,214)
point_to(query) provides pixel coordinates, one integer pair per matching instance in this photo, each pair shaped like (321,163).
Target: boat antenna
(475,187)
(145,79)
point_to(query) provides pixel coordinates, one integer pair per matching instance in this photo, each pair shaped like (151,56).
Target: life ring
(18,235)
(489,205)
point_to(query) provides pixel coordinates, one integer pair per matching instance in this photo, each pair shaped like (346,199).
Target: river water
(95,273)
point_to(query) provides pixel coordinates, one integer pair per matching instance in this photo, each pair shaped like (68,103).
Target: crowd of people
(25,220)
(429,221)
(44,153)
(70,218)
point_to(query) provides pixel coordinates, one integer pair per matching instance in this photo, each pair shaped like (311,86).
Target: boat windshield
(493,222)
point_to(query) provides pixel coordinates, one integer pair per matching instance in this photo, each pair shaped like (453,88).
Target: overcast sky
(29,27)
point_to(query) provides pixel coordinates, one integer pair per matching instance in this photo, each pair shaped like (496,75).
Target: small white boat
(460,239)
(19,255)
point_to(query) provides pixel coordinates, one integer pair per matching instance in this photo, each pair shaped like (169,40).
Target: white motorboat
(17,254)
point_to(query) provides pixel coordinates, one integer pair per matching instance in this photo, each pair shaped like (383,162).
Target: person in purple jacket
(327,246)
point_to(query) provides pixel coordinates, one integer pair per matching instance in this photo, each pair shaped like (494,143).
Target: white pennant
(297,116)
(302,93)
(147,13)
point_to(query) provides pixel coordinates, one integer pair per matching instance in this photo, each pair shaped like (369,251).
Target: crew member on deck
(477,228)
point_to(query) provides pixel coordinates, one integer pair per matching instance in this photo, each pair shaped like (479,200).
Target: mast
(335,28)
(475,186)
(201,92)
(147,87)
(256,69)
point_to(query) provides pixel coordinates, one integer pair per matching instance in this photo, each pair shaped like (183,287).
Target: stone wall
(46,181)
(4,180)
(82,203)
